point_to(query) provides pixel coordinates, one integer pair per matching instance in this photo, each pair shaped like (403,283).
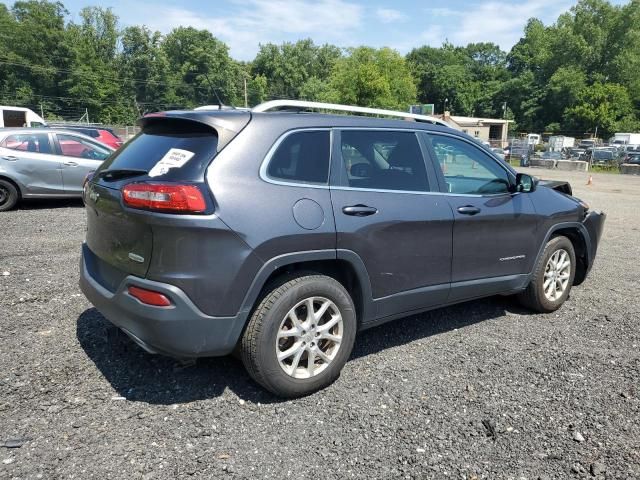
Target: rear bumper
(180,330)
(594,223)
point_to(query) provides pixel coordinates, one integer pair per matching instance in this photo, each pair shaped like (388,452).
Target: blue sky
(403,24)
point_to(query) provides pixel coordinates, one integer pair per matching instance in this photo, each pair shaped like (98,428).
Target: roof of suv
(288,119)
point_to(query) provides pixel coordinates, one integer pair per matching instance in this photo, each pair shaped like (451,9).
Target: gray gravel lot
(480,390)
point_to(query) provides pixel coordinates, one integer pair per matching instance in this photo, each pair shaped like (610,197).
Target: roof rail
(265,107)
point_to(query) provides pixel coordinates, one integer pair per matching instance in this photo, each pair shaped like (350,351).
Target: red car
(102,135)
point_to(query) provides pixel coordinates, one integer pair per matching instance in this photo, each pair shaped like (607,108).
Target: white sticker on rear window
(174,158)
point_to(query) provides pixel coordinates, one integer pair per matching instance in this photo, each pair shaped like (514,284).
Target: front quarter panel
(554,207)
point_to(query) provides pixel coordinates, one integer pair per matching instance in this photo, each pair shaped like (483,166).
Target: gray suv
(45,163)
(280,234)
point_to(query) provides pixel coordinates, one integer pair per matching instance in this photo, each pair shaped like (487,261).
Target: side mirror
(525,183)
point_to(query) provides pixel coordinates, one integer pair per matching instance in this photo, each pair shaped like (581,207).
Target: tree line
(577,76)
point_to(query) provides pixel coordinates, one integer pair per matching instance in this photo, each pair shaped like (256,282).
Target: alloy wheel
(309,337)
(556,275)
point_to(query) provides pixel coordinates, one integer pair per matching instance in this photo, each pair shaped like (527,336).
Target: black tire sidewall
(13,196)
(555,244)
(273,375)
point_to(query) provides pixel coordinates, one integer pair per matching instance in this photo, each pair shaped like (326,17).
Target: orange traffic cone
(590,181)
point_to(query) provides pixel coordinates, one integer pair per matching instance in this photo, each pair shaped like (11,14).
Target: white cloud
(443,12)
(261,21)
(389,15)
(493,21)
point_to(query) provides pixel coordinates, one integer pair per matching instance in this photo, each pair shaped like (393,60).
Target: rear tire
(552,278)
(300,336)
(9,195)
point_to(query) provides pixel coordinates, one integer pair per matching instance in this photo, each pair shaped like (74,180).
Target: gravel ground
(480,390)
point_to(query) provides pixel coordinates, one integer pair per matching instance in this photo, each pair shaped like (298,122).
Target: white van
(533,139)
(13,117)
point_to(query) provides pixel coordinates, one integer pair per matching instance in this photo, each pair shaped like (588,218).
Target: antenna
(215,92)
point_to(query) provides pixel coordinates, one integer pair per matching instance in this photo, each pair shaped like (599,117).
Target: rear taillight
(149,297)
(164,197)
(88,177)
(85,185)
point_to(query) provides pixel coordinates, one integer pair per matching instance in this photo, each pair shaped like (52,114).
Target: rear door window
(302,157)
(158,140)
(382,160)
(35,143)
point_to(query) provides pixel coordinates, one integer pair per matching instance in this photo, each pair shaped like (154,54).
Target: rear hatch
(173,148)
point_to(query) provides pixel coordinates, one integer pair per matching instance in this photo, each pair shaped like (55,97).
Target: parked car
(500,153)
(45,163)
(102,134)
(632,158)
(577,153)
(281,235)
(604,156)
(551,156)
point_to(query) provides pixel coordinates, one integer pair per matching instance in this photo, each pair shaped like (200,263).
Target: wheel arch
(18,186)
(344,266)
(579,237)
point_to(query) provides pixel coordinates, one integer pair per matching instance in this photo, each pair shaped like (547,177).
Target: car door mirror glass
(525,183)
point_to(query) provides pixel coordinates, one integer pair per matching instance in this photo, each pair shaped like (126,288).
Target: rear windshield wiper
(119,173)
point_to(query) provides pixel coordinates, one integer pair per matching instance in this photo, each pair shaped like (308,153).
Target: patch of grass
(605,169)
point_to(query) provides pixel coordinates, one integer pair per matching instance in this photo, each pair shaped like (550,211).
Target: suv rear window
(157,139)
(302,157)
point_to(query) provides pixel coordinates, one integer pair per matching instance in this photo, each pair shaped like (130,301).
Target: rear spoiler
(226,123)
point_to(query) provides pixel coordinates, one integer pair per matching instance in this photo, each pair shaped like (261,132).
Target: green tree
(372,78)
(201,68)
(33,63)
(605,106)
(289,66)
(145,70)
(93,80)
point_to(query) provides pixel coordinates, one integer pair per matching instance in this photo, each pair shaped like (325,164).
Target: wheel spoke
(290,351)
(294,332)
(310,311)
(549,290)
(293,316)
(331,338)
(296,360)
(311,359)
(325,327)
(325,358)
(321,311)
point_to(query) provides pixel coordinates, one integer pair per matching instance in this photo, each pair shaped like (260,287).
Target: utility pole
(246,98)
(41,112)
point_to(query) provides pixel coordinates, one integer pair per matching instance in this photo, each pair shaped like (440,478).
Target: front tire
(553,277)
(300,336)
(8,195)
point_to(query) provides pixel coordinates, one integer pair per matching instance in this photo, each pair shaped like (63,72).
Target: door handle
(468,210)
(359,210)
(10,158)
(70,164)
